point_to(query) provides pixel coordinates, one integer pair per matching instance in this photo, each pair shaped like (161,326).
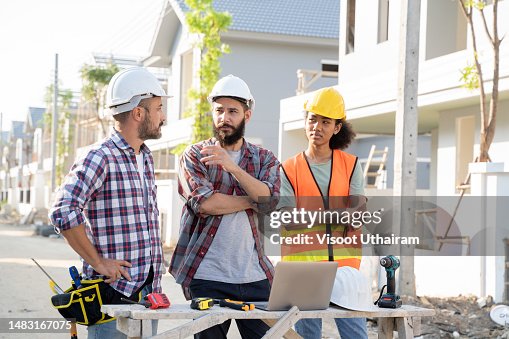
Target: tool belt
(84,304)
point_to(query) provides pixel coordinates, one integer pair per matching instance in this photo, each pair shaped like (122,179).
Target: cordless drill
(390,299)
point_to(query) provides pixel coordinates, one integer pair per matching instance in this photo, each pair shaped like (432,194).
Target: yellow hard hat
(327,102)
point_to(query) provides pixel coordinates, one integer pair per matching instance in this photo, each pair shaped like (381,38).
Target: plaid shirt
(197,182)
(103,190)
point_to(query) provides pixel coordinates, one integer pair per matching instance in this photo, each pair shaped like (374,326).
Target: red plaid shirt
(103,191)
(197,182)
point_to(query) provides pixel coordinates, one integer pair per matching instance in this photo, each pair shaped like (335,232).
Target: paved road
(25,289)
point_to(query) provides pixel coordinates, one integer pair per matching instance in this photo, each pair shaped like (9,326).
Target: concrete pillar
(38,199)
(488,181)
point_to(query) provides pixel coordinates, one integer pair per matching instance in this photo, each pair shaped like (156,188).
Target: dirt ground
(458,317)
(29,294)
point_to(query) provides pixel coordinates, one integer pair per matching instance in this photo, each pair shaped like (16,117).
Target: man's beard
(145,132)
(230,139)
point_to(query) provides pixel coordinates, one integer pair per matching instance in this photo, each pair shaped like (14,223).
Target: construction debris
(8,215)
(458,317)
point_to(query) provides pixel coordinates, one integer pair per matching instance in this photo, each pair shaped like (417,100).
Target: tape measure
(202,303)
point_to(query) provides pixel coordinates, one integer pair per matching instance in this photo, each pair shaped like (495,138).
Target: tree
(473,76)
(64,130)
(95,79)
(207,24)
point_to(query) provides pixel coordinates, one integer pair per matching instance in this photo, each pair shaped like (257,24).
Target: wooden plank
(404,328)
(131,324)
(192,327)
(284,324)
(416,321)
(183,311)
(130,327)
(146,328)
(385,328)
(290,334)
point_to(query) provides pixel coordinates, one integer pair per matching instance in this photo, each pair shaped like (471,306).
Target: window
(383,20)
(444,20)
(350,27)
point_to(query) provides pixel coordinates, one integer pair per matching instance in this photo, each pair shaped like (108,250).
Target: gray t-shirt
(232,256)
(321,172)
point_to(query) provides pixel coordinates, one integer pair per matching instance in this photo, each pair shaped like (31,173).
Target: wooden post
(284,324)
(405,153)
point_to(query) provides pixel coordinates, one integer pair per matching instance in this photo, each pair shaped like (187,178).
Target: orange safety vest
(308,196)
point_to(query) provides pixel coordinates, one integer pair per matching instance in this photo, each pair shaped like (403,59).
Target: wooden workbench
(134,320)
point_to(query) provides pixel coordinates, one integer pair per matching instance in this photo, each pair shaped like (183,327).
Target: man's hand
(216,155)
(113,269)
(110,268)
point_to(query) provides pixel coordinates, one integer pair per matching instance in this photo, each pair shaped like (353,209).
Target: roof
(36,116)
(316,18)
(16,131)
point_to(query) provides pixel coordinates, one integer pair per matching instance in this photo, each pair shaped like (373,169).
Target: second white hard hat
(232,86)
(352,290)
(129,86)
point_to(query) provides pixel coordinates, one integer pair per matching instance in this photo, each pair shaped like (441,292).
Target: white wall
(169,203)
(368,79)
(447,276)
(368,76)
(446,153)
(270,70)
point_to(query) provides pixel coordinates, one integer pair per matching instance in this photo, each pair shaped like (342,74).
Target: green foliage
(207,24)
(95,79)
(64,130)
(179,149)
(478,4)
(470,77)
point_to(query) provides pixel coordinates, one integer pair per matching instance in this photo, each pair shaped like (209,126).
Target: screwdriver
(234,304)
(73,271)
(57,288)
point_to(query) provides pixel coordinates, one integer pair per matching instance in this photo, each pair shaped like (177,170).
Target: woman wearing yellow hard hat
(324,177)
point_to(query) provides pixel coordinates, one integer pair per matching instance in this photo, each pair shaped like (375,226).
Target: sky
(33,31)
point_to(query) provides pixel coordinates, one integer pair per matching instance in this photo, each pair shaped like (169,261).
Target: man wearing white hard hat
(219,253)
(107,208)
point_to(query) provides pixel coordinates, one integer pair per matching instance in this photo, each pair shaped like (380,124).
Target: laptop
(307,285)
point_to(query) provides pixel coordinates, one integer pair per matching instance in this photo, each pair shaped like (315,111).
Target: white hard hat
(129,86)
(232,86)
(351,290)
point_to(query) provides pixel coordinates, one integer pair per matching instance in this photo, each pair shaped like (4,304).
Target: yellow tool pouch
(84,304)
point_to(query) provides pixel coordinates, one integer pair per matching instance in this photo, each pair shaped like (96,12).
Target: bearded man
(107,206)
(219,253)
